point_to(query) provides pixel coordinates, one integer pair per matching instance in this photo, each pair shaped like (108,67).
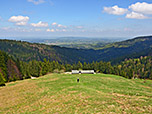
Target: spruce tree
(2,80)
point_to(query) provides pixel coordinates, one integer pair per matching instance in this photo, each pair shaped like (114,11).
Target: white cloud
(50,30)
(36,2)
(19,20)
(21,23)
(40,24)
(134,11)
(54,23)
(134,15)
(144,8)
(115,10)
(61,26)
(58,25)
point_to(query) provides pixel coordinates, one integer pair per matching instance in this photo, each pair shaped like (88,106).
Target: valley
(113,52)
(75,57)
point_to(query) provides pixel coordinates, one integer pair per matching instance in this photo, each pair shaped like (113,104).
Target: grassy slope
(56,93)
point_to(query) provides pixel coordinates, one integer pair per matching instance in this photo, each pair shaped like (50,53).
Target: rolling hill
(60,93)
(133,48)
(74,42)
(115,52)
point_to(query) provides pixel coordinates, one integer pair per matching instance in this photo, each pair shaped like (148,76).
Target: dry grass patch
(16,96)
(131,103)
(61,94)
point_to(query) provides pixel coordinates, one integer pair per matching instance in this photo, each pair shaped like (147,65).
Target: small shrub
(56,71)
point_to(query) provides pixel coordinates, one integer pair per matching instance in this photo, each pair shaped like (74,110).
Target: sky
(77,18)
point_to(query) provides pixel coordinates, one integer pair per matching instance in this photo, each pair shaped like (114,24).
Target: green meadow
(61,94)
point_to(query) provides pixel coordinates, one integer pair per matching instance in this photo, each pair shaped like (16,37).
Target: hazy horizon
(64,37)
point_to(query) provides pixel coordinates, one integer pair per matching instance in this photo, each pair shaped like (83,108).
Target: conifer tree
(2,80)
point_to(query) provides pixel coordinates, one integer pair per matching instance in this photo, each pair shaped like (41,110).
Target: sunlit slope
(60,93)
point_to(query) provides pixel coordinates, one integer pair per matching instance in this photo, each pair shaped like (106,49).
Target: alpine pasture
(62,94)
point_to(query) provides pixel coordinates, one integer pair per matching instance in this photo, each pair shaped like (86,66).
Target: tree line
(13,69)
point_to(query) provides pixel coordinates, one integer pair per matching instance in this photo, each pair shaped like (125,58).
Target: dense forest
(132,68)
(26,51)
(9,71)
(114,52)
(14,69)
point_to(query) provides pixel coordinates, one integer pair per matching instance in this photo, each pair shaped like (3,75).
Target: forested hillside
(133,48)
(136,68)
(14,69)
(32,51)
(9,71)
(116,52)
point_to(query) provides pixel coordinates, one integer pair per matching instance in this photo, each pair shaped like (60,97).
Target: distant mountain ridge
(115,52)
(74,42)
(133,41)
(132,48)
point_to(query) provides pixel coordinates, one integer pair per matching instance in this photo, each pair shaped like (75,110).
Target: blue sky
(84,18)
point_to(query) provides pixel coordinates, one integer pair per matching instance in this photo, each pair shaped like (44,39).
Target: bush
(56,71)
(61,71)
